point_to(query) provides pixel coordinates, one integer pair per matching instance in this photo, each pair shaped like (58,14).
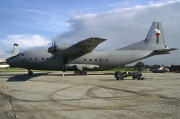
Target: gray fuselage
(42,60)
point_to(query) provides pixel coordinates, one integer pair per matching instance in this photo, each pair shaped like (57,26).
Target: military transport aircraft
(80,57)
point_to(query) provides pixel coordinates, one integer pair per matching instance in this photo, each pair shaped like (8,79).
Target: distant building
(3,60)
(175,68)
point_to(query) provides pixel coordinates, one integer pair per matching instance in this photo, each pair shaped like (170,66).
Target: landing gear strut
(80,72)
(30,73)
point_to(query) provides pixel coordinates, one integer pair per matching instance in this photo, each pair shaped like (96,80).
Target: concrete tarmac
(96,96)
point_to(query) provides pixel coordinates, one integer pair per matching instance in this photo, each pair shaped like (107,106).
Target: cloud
(4,54)
(37,19)
(128,25)
(122,4)
(47,21)
(26,41)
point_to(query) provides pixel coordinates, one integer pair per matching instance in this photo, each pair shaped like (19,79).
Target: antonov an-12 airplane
(80,57)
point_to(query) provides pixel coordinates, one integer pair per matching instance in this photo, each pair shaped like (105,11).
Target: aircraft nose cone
(13,62)
(7,60)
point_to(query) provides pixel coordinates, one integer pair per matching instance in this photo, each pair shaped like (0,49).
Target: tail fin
(155,34)
(154,40)
(15,50)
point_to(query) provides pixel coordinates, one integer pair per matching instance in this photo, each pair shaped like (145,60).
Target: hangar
(174,68)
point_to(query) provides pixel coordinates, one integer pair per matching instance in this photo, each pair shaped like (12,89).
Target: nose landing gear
(30,73)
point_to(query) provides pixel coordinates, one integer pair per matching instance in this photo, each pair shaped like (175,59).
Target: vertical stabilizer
(153,41)
(155,34)
(15,50)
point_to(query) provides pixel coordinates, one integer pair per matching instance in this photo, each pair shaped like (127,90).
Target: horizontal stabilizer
(164,51)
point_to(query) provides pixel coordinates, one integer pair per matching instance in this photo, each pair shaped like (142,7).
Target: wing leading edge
(89,44)
(80,48)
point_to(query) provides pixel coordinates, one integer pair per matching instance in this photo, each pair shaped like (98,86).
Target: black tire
(117,73)
(77,72)
(121,78)
(143,78)
(84,72)
(30,73)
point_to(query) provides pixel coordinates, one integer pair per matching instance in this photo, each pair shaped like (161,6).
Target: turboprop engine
(63,49)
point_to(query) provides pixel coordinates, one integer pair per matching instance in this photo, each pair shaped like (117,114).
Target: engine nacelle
(63,49)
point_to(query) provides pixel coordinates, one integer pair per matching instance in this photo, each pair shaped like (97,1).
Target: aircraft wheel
(30,73)
(117,74)
(142,78)
(122,78)
(77,72)
(84,72)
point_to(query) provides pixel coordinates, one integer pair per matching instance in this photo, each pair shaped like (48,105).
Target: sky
(33,24)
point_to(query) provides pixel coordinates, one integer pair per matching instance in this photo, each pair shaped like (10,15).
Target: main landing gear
(80,72)
(30,73)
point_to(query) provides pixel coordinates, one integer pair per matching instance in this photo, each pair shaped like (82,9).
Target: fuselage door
(65,61)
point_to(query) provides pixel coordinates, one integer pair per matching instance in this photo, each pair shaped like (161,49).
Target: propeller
(53,48)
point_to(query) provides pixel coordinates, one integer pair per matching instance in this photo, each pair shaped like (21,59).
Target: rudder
(155,34)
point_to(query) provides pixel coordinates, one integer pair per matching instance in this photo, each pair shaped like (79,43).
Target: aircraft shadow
(101,74)
(71,74)
(114,79)
(24,77)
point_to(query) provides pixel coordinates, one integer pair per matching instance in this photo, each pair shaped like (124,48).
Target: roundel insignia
(157,32)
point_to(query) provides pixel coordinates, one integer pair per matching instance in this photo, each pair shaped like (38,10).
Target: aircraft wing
(80,48)
(89,44)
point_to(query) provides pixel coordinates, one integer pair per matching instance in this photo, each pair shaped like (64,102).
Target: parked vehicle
(121,75)
(160,70)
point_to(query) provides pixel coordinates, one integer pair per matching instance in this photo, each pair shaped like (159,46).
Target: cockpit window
(20,54)
(13,57)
